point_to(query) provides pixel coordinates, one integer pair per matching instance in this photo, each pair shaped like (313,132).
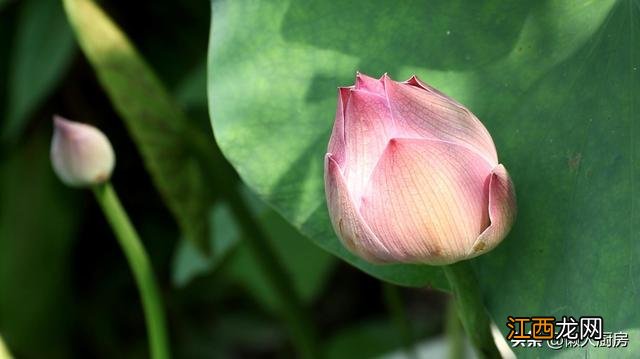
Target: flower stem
(141,267)
(454,332)
(393,300)
(471,309)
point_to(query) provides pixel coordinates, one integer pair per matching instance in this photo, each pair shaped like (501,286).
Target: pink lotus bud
(413,176)
(81,154)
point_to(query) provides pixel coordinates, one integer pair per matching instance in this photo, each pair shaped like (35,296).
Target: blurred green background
(65,287)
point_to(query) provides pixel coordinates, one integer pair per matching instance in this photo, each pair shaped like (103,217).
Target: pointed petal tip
(393,144)
(343,96)
(66,127)
(344,90)
(386,79)
(500,170)
(59,121)
(502,212)
(398,144)
(362,75)
(414,80)
(368,83)
(331,164)
(329,158)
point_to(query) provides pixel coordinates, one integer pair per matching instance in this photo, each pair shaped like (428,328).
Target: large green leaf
(166,139)
(555,82)
(42,50)
(572,146)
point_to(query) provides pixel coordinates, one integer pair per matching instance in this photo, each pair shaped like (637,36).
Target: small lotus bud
(413,176)
(81,154)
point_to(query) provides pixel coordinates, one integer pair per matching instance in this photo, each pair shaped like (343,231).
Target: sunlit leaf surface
(555,82)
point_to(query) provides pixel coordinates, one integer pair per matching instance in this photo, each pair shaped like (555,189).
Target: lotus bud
(81,154)
(412,176)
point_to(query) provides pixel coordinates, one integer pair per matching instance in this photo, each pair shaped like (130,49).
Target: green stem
(291,308)
(398,314)
(141,267)
(454,332)
(471,309)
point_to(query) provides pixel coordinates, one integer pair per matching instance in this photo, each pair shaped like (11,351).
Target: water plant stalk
(471,309)
(140,266)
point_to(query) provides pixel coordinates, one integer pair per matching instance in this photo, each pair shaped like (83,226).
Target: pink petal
(366,125)
(422,112)
(336,141)
(502,211)
(354,233)
(415,81)
(366,83)
(426,200)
